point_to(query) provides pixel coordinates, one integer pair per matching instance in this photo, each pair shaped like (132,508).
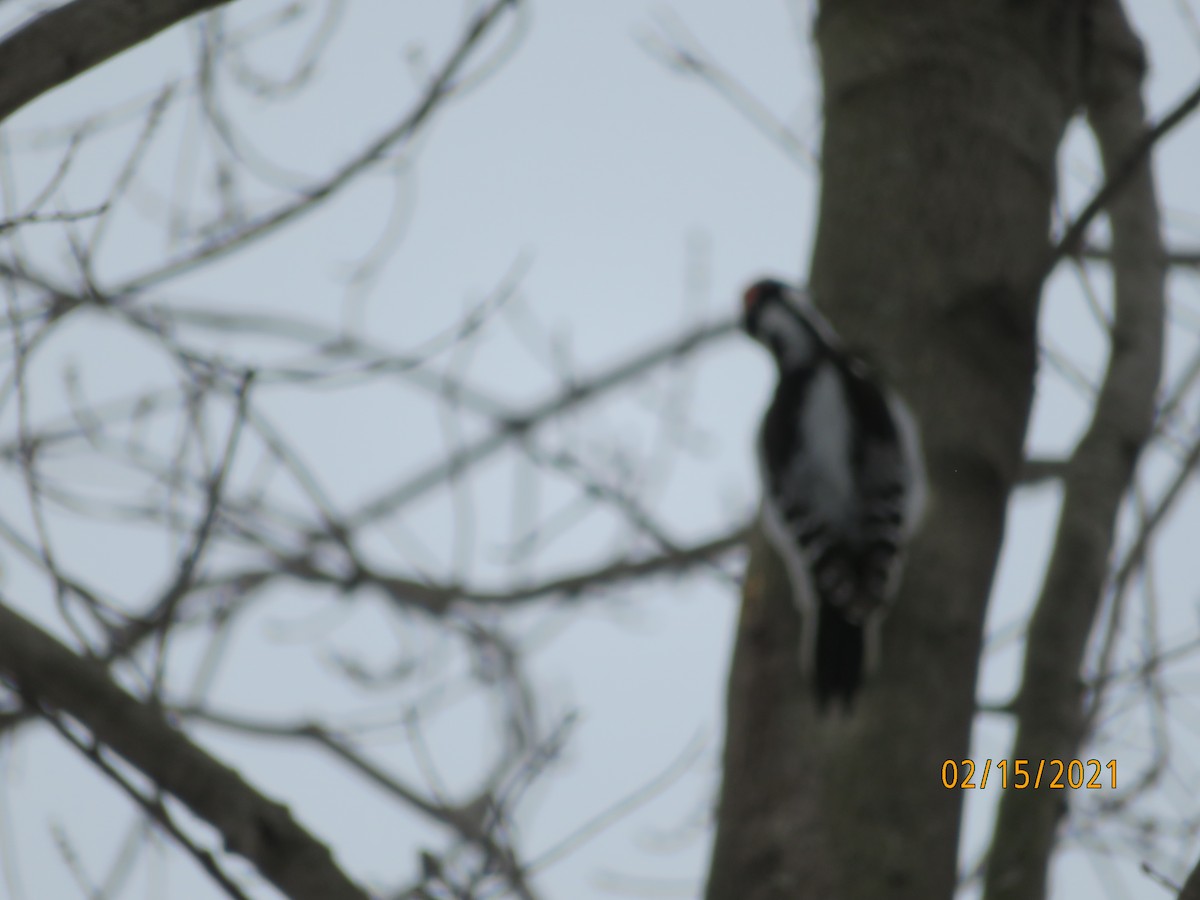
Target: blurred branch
(51,677)
(1132,561)
(1035,471)
(65,42)
(1119,171)
(1050,717)
(612,574)
(312,196)
(468,820)
(677,48)
(518,425)
(621,808)
(159,621)
(201,469)
(436,599)
(594,488)
(153,807)
(1183,259)
(35,218)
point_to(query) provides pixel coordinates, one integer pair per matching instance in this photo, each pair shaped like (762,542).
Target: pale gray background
(612,176)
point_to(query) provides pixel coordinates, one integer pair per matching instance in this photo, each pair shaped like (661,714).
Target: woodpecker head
(782,318)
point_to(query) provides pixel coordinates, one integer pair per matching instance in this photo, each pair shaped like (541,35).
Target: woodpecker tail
(840,657)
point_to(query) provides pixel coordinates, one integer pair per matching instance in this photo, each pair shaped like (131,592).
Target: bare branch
(68,41)
(1182,259)
(676,47)
(436,599)
(622,807)
(464,819)
(1119,171)
(312,196)
(1133,560)
(621,571)
(1035,471)
(1049,707)
(516,426)
(152,807)
(48,674)
(44,218)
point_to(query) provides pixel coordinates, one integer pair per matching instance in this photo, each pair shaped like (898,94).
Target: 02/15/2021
(1020,774)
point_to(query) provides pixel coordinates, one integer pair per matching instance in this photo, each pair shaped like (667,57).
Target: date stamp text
(1022,774)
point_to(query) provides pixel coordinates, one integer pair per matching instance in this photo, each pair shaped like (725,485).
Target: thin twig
(1116,179)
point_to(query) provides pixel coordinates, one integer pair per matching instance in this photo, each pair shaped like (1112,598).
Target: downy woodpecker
(843,486)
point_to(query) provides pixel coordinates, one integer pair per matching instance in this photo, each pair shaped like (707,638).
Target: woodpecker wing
(837,465)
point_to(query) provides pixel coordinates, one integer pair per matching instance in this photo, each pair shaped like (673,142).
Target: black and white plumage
(843,486)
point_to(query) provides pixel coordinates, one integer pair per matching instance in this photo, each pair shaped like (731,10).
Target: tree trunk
(942,124)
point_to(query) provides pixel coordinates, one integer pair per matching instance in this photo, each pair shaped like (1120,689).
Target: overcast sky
(635,202)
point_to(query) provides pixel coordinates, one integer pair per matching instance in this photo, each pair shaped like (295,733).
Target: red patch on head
(753,294)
